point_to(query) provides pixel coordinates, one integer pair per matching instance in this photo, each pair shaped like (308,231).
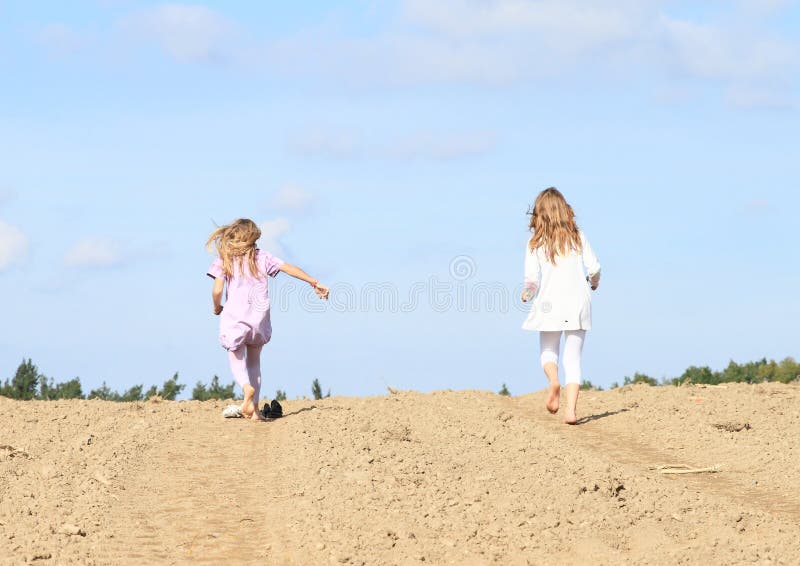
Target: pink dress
(245,318)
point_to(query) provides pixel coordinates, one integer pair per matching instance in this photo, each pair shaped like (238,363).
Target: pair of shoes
(272,411)
(233,412)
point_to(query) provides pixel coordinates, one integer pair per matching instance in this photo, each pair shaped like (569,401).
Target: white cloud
(93,252)
(572,23)
(13,245)
(503,41)
(187,33)
(709,51)
(272,231)
(492,42)
(292,197)
(763,7)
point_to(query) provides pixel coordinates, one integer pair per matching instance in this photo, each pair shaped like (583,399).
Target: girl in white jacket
(560,267)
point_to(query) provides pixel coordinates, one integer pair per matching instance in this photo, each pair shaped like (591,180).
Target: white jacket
(563,300)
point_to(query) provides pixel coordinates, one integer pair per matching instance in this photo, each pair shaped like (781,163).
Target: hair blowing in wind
(236,240)
(553,225)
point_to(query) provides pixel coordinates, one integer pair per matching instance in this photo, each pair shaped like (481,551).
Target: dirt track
(448,477)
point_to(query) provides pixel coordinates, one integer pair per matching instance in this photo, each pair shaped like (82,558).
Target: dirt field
(455,477)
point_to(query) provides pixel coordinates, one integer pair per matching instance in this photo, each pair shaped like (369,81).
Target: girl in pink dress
(244,326)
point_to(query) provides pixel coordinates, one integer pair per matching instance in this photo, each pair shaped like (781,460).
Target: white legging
(550,342)
(246,367)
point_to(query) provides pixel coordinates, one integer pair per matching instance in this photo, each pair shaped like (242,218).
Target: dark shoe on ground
(275,410)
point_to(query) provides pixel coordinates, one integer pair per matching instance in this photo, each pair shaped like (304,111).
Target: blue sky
(384,146)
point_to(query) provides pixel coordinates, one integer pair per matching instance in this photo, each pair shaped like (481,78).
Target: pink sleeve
(216,269)
(272,264)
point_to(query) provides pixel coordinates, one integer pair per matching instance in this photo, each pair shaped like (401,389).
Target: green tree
(587,385)
(280,395)
(199,392)
(640,378)
(68,390)
(171,388)
(213,391)
(504,391)
(788,370)
(24,383)
(695,374)
(316,390)
(103,393)
(107,394)
(131,395)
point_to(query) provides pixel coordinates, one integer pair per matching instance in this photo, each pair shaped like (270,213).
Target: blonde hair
(553,225)
(236,240)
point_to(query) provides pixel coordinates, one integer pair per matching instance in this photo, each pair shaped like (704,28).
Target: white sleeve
(589,259)
(532,269)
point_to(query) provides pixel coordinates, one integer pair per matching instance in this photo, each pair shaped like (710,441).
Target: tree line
(28,383)
(759,371)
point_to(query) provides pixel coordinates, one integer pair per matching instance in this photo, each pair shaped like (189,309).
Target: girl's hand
(528,293)
(217,309)
(322,291)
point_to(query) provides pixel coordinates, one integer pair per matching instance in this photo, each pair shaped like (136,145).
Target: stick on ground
(681,469)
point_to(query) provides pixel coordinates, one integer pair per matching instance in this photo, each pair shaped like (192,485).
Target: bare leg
(549,342)
(239,370)
(570,414)
(573,348)
(254,375)
(554,395)
(248,408)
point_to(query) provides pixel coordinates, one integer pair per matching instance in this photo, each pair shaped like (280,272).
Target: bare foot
(570,413)
(554,398)
(256,416)
(248,407)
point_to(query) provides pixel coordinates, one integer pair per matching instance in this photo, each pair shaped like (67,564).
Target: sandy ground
(455,477)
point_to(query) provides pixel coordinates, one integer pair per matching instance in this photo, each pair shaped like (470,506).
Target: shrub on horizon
(213,391)
(640,378)
(48,390)
(24,383)
(316,390)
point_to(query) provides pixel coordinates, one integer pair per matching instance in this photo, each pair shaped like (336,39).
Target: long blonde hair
(553,225)
(236,240)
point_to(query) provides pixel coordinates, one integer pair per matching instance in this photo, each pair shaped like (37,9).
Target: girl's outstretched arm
(320,289)
(216,294)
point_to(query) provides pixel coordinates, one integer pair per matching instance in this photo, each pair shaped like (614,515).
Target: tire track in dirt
(606,433)
(198,496)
